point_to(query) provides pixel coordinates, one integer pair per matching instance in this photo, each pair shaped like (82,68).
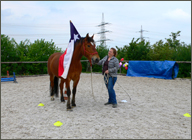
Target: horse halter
(88,53)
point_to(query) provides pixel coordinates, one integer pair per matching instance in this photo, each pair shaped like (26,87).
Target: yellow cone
(187,115)
(41,104)
(58,123)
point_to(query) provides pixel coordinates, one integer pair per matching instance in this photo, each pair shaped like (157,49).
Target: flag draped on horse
(65,58)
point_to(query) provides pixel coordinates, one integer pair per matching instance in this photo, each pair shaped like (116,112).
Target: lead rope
(124,90)
(106,82)
(106,79)
(92,84)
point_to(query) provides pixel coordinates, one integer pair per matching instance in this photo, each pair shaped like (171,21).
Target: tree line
(169,49)
(40,50)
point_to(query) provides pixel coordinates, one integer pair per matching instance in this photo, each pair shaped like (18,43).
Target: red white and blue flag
(65,58)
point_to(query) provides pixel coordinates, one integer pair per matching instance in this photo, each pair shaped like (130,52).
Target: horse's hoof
(69,109)
(73,105)
(52,99)
(62,99)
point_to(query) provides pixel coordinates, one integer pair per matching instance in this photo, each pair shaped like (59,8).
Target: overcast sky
(50,20)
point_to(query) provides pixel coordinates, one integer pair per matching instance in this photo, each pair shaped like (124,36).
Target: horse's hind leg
(61,90)
(52,86)
(56,88)
(74,91)
(68,94)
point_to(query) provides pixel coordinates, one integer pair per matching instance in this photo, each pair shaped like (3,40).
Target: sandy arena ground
(155,110)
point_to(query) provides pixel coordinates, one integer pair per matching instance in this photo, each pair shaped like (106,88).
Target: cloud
(178,14)
(21,10)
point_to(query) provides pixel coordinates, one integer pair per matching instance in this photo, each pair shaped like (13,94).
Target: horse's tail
(56,88)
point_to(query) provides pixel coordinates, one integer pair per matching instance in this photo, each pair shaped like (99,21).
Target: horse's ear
(87,36)
(92,36)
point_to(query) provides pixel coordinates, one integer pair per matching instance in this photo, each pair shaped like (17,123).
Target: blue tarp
(153,69)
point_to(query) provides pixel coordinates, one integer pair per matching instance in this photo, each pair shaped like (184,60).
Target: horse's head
(89,50)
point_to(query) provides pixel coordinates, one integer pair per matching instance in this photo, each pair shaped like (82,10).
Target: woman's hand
(106,71)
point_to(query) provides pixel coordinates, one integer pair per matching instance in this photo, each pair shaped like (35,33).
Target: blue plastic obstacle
(9,79)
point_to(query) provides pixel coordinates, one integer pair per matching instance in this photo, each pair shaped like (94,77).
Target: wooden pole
(18,62)
(80,60)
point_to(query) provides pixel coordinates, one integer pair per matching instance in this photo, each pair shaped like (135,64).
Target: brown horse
(84,46)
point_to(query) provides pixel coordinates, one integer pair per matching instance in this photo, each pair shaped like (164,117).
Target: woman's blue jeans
(111,91)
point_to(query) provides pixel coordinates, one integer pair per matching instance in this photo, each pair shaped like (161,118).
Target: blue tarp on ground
(153,69)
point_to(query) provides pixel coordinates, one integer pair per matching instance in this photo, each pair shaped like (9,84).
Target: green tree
(22,50)
(40,50)
(8,53)
(183,53)
(8,49)
(160,51)
(137,50)
(122,52)
(173,42)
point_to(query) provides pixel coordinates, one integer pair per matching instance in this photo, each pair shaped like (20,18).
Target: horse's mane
(90,39)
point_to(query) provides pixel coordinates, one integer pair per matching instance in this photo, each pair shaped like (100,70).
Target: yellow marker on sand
(187,115)
(58,123)
(41,104)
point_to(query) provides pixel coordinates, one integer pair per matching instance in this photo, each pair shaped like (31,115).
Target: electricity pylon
(102,32)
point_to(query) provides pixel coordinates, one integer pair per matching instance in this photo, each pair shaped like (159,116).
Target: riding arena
(155,110)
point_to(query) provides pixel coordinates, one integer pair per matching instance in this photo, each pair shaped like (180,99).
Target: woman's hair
(114,51)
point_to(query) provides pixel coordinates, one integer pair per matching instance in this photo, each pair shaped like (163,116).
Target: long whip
(92,84)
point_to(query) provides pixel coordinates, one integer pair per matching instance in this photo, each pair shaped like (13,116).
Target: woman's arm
(101,61)
(116,67)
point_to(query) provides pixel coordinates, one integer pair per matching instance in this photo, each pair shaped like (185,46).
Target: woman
(110,65)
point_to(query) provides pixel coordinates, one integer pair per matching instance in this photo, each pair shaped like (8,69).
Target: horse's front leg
(61,90)
(68,94)
(74,91)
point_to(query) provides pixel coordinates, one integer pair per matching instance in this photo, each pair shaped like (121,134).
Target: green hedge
(40,50)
